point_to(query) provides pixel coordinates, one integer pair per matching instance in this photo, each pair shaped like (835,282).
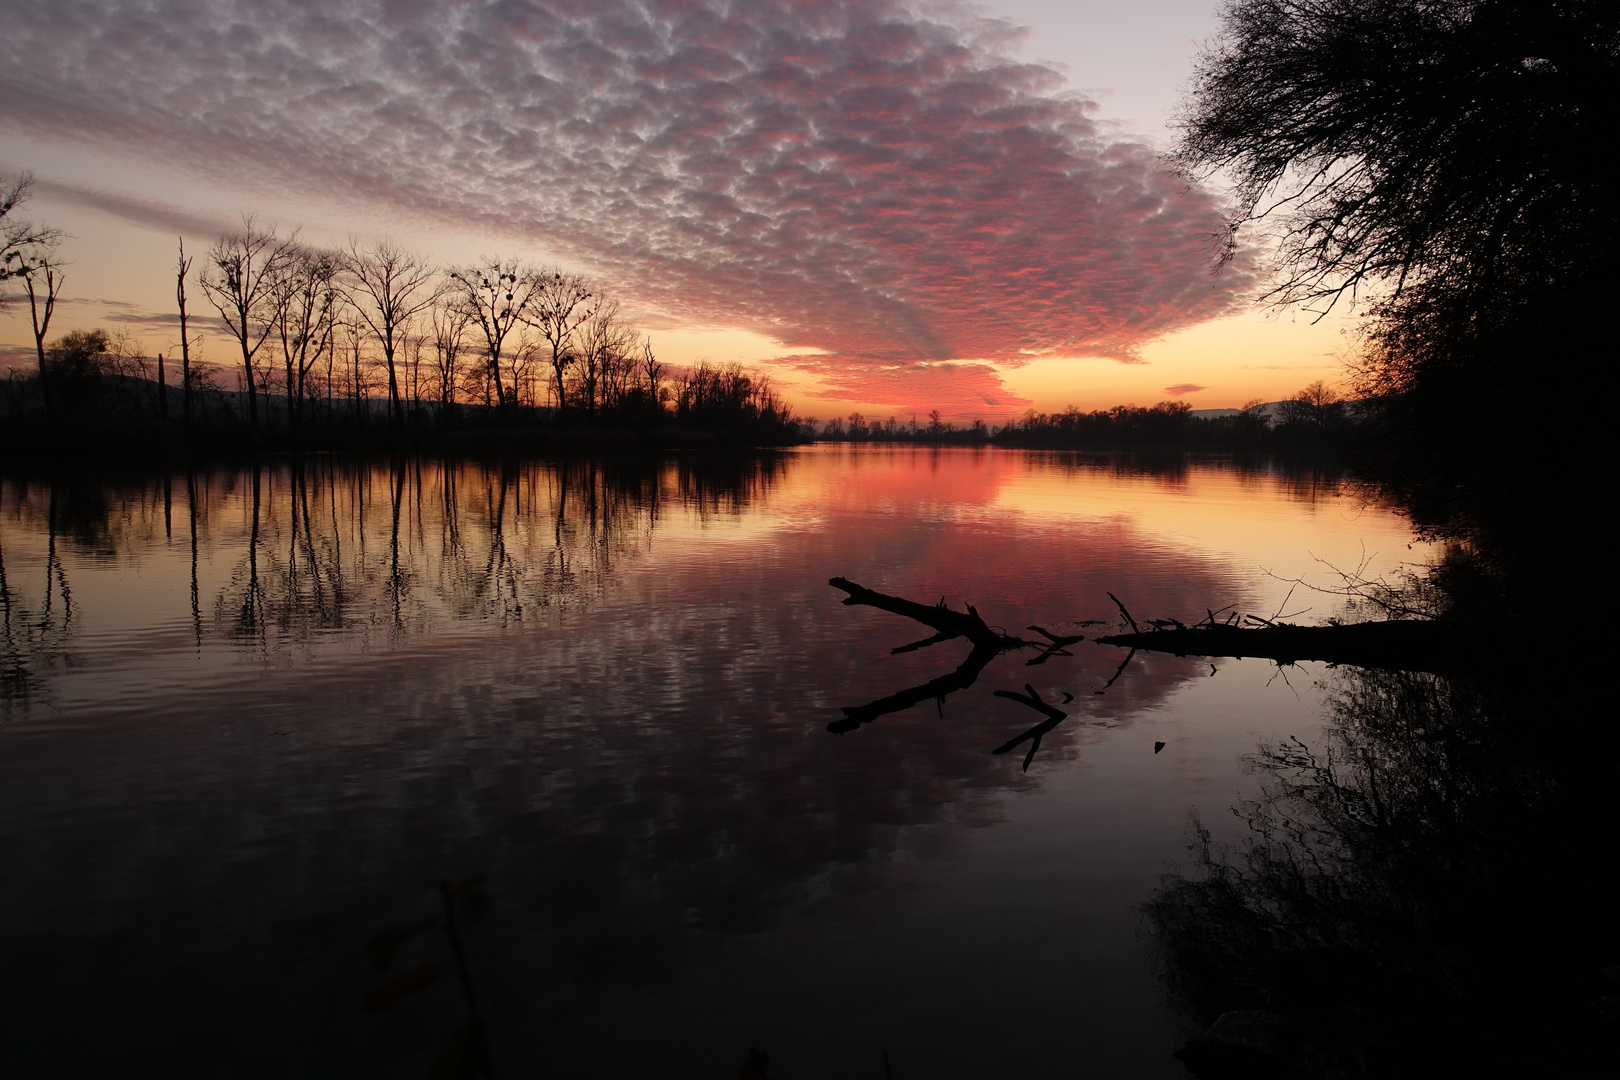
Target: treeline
(1315,419)
(1427,162)
(367,344)
(936,431)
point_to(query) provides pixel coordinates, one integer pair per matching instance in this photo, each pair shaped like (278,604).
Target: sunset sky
(891,207)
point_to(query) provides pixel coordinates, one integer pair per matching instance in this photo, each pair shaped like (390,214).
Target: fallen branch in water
(1399,645)
(1057,644)
(949,624)
(987,641)
(1122,611)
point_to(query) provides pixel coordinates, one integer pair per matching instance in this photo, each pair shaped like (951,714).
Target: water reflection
(290,696)
(37,636)
(332,549)
(341,546)
(1424,892)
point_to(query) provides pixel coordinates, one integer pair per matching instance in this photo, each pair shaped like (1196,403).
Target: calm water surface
(251,715)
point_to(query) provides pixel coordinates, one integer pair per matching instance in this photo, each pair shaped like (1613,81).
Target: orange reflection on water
(287,698)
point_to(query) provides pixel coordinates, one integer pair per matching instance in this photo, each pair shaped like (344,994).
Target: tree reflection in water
(637,759)
(1422,894)
(331,547)
(335,546)
(36,638)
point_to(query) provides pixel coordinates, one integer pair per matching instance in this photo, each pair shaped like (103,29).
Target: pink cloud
(957,390)
(1180,389)
(858,178)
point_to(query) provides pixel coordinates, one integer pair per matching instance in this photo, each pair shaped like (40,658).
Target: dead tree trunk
(1397,645)
(948,624)
(988,643)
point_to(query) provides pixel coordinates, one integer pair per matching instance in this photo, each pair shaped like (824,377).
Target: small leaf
(385,995)
(382,946)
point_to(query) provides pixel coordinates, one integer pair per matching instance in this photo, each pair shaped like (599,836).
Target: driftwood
(988,643)
(1398,645)
(947,624)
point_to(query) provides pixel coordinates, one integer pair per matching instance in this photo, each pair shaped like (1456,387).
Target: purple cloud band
(861,178)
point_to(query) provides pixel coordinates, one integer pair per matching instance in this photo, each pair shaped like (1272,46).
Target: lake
(253,713)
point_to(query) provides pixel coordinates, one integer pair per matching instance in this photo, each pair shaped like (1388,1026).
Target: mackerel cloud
(875,181)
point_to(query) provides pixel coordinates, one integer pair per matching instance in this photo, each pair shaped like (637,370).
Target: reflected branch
(17,681)
(191,511)
(988,643)
(1123,664)
(1426,877)
(1054,717)
(933,690)
(1058,645)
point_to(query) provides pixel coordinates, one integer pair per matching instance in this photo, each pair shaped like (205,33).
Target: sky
(889,207)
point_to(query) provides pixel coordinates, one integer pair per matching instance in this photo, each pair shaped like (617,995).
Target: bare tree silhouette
(42,279)
(561,305)
(390,287)
(498,296)
(240,279)
(182,270)
(447,323)
(306,299)
(20,241)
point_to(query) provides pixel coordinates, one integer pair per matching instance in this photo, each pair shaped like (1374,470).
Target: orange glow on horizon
(120,278)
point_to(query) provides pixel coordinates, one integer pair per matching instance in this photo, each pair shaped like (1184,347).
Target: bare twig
(1278,613)
(1058,646)
(1117,671)
(1125,613)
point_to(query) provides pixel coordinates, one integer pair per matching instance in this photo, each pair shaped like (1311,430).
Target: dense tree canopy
(1445,143)
(1443,159)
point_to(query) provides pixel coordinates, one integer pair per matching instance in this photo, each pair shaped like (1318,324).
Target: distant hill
(1269,409)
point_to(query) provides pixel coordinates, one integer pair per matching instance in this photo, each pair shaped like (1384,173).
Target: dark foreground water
(250,715)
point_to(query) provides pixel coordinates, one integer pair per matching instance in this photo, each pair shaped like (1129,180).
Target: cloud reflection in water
(605,687)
